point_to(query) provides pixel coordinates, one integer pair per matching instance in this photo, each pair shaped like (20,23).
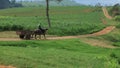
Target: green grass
(56,53)
(117,44)
(64,20)
(112,37)
(70,53)
(117,18)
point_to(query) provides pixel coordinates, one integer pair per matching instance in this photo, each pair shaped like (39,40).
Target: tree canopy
(9,3)
(115,10)
(4,4)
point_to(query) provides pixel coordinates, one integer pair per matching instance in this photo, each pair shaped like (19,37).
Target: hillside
(98,49)
(52,3)
(65,20)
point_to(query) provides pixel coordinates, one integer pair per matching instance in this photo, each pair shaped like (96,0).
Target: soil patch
(2,66)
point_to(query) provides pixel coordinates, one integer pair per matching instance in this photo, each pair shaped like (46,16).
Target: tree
(13,1)
(47,11)
(57,0)
(14,4)
(4,4)
(115,10)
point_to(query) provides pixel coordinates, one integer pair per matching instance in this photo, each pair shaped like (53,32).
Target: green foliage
(7,27)
(4,4)
(55,53)
(116,58)
(113,55)
(14,44)
(9,4)
(116,44)
(14,4)
(117,18)
(11,27)
(115,10)
(17,27)
(113,36)
(65,20)
(98,7)
(119,61)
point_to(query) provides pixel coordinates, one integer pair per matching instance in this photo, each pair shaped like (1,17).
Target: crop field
(64,20)
(51,54)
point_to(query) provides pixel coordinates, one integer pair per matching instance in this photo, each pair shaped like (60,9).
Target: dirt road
(102,32)
(106,13)
(2,66)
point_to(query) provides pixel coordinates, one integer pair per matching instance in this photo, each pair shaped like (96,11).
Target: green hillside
(64,20)
(52,3)
(65,53)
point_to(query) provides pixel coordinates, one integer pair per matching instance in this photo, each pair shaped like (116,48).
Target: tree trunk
(47,12)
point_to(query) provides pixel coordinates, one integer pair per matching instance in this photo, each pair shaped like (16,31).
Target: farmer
(39,26)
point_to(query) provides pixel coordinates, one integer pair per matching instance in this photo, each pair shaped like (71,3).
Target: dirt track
(106,13)
(102,32)
(2,66)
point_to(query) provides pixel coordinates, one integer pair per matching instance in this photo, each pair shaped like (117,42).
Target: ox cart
(24,34)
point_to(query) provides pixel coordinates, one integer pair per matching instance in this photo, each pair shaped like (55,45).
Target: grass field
(71,53)
(112,37)
(55,54)
(64,20)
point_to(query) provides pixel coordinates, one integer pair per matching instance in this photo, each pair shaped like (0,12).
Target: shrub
(113,55)
(17,27)
(97,9)
(117,18)
(1,28)
(115,10)
(116,44)
(7,27)
(118,26)
(112,37)
(118,60)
